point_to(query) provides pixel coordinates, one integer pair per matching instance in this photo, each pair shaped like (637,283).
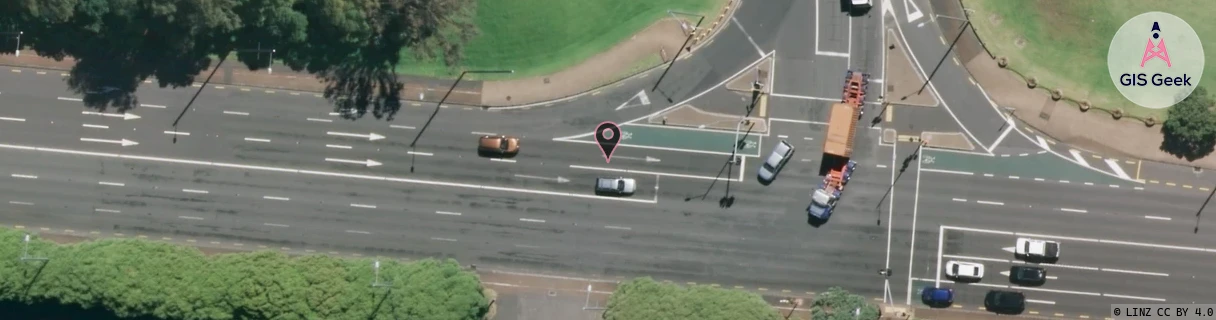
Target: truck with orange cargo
(836,166)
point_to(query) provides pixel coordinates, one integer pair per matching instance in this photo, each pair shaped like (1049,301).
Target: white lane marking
(195,191)
(782,136)
(1014,177)
(1089,183)
(189,218)
(1063,181)
(1039,179)
(618,228)
(108,210)
(337,146)
(69,99)
(319,120)
(449,213)
(1076,156)
(1114,165)
(808,138)
(1074,210)
(952,256)
(21,203)
(526,246)
(177,133)
(152,106)
(24,176)
(276,198)
(1139,188)
(97,126)
(12,119)
(990,202)
(358,231)
(640,172)
(502,160)
(881,165)
(1042,142)
(323,173)
(988,175)
(1023,154)
(749,37)
(1120,242)
(444,239)
(959,200)
(1114,186)
(1137,272)
(1158,218)
(275,225)
(238,113)
(401,127)
(427,154)
(488,133)
(1040,301)
(1132,297)
(366,206)
(256,139)
(531,220)
(949,171)
(116,184)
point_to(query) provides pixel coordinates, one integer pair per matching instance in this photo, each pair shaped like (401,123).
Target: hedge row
(646,299)
(136,278)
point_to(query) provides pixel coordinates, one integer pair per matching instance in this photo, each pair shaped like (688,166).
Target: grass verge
(1063,44)
(539,37)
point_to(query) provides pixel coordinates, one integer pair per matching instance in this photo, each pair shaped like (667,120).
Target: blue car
(937,297)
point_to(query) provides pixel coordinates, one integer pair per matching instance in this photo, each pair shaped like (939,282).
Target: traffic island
(691,116)
(947,140)
(904,85)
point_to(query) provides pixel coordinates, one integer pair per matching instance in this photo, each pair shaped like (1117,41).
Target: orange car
(498,145)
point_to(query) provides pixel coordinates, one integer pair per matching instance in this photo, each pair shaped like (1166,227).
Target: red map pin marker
(607,135)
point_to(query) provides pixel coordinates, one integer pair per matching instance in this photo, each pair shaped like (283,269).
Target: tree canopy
(136,278)
(353,45)
(1190,131)
(646,299)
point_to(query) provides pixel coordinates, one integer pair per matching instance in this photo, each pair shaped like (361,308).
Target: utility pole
(25,251)
(376,283)
(677,56)
(440,104)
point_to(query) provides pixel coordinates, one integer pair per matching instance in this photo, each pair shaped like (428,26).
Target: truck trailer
(836,166)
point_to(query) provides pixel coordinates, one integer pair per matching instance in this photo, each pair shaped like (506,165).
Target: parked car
(1027,275)
(937,297)
(965,271)
(498,145)
(1005,302)
(776,160)
(615,186)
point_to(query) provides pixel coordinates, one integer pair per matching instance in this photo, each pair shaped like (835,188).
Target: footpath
(1093,130)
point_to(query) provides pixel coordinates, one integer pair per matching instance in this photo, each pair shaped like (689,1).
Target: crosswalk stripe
(1114,165)
(1076,155)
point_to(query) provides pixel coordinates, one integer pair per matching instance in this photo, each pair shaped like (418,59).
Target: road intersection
(283,170)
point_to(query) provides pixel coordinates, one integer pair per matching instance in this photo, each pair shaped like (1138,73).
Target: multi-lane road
(278,168)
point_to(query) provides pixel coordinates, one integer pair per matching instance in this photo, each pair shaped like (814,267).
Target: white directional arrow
(370,137)
(123,142)
(639,99)
(912,11)
(559,179)
(124,116)
(368,162)
(1006,273)
(647,158)
(1009,249)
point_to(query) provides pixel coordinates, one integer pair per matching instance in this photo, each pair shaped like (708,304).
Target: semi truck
(836,166)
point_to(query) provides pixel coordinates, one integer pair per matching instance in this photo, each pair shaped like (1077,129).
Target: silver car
(615,186)
(781,154)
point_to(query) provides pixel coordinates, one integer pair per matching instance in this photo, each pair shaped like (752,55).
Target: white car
(1037,249)
(964,270)
(615,186)
(776,160)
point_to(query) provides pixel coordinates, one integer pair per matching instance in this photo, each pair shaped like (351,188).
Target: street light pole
(440,104)
(16,34)
(25,251)
(376,283)
(677,56)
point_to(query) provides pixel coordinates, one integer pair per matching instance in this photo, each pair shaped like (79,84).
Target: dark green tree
(838,304)
(646,299)
(1190,130)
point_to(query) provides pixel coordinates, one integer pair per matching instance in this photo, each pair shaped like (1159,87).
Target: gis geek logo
(1151,77)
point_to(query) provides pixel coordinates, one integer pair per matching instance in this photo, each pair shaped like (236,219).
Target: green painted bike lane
(1046,166)
(685,139)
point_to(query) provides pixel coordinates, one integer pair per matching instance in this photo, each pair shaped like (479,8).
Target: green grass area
(1066,42)
(538,37)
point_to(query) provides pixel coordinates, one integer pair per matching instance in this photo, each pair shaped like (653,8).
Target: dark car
(937,297)
(1005,302)
(1027,275)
